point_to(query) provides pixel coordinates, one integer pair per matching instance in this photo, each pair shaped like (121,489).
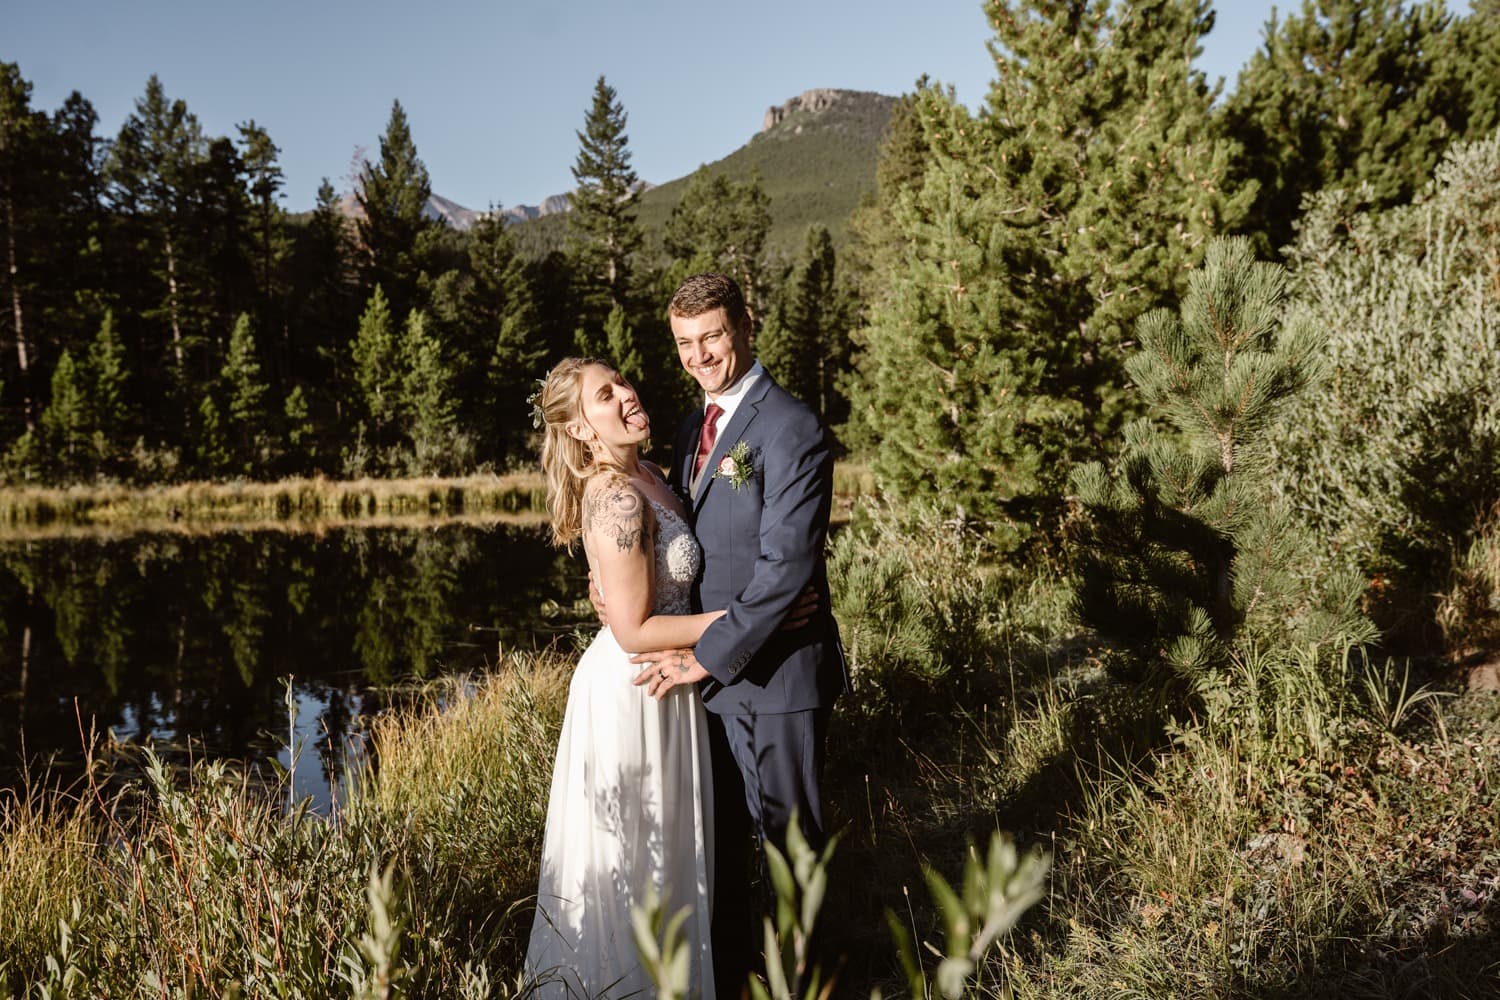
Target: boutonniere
(737,466)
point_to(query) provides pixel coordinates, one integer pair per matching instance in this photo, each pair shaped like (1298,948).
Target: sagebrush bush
(1395,460)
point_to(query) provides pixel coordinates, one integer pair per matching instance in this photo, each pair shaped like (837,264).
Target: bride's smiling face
(609,410)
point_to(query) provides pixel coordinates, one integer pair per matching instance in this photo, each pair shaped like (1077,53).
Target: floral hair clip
(536,406)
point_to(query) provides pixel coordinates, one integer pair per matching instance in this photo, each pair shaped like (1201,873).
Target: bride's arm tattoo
(616,511)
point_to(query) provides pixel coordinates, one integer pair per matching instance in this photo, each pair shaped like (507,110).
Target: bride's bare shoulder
(614,509)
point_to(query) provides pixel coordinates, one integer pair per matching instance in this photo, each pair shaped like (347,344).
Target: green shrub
(1396,460)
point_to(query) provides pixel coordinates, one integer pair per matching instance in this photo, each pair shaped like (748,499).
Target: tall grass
(202,883)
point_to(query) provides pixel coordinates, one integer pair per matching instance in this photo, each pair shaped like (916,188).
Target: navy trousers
(765,766)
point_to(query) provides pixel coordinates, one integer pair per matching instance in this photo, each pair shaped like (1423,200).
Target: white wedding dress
(629,808)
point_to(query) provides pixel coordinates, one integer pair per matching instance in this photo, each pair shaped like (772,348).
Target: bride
(631,799)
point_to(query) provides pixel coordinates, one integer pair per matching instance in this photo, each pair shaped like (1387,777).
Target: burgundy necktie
(706,438)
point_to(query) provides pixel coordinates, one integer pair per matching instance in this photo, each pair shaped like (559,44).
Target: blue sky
(496,89)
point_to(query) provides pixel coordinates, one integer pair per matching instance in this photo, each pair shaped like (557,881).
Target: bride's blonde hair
(567,461)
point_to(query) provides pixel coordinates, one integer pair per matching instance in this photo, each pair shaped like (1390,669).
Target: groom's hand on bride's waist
(665,669)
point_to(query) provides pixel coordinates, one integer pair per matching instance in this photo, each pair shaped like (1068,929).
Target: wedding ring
(662,674)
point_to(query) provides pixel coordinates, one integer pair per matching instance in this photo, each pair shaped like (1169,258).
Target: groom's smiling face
(712,350)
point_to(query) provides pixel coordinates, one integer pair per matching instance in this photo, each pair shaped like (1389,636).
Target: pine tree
(499,341)
(65,426)
(621,347)
(428,407)
(1470,54)
(301,442)
(269,244)
(1040,230)
(721,225)
(603,234)
(805,342)
(392,196)
(375,358)
(210,449)
(108,409)
(1343,92)
(1186,556)
(325,304)
(152,174)
(244,391)
(21,132)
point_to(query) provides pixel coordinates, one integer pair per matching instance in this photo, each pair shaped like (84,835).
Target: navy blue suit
(770,692)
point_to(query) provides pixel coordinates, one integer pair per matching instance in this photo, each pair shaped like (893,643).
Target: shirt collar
(729,400)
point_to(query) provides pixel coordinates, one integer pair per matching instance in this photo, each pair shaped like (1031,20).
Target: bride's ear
(579,431)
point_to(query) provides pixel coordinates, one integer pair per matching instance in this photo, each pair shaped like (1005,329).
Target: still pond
(186,640)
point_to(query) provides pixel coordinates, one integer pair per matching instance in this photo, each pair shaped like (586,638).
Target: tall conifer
(1342,92)
(375,362)
(804,343)
(721,225)
(1041,228)
(428,406)
(392,197)
(603,234)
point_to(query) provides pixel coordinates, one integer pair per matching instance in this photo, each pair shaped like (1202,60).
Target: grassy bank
(289,499)
(239,504)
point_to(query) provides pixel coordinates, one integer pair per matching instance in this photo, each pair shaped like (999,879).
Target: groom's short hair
(701,293)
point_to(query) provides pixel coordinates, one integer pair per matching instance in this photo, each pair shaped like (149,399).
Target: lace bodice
(678,560)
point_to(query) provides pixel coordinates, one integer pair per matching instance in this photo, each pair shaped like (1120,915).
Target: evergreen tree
(302,447)
(1040,230)
(325,305)
(375,359)
(498,339)
(1342,93)
(210,448)
(66,429)
(269,244)
(1186,556)
(244,391)
(21,138)
(621,347)
(152,169)
(108,409)
(720,225)
(1470,54)
(603,234)
(392,197)
(805,342)
(428,407)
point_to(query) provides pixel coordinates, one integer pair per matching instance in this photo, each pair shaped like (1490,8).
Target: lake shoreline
(301,504)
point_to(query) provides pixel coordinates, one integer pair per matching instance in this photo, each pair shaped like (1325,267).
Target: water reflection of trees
(187,638)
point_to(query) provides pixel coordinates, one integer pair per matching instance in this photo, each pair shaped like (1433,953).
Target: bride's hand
(667,668)
(802,612)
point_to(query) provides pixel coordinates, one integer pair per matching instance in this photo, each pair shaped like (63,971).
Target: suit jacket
(762,544)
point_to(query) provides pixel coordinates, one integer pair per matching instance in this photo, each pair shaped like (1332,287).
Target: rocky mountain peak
(818,100)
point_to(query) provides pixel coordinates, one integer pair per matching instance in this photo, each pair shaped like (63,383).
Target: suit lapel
(728,435)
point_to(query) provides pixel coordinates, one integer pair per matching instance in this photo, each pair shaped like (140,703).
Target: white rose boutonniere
(737,465)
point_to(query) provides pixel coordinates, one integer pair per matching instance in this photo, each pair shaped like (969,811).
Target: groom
(756,465)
